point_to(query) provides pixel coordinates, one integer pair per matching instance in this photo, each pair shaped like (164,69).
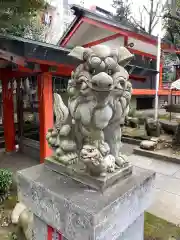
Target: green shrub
(5,180)
(13,236)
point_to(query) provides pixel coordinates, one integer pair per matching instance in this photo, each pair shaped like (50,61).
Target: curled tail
(60,110)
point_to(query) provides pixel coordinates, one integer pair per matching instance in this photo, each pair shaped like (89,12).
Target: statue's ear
(124,56)
(77,52)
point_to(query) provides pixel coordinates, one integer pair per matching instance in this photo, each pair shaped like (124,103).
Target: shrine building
(30,72)
(97,26)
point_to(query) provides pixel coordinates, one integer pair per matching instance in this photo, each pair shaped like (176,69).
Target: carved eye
(80,80)
(122,83)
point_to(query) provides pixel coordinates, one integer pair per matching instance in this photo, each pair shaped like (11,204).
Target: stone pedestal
(76,172)
(66,209)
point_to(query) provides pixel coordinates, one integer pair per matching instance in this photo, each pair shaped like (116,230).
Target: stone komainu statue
(89,128)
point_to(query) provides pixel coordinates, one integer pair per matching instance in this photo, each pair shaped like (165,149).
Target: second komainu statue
(88,130)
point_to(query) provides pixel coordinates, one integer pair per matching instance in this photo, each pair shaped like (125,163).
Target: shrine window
(60,84)
(30,107)
(29,103)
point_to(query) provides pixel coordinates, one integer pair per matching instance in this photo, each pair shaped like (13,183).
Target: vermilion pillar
(45,94)
(8,114)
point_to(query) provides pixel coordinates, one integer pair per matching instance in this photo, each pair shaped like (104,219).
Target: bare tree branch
(154,24)
(149,12)
(157,7)
(146,9)
(137,24)
(141,17)
(154,13)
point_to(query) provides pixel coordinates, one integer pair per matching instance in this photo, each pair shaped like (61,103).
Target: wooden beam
(143,92)
(11,57)
(103,40)
(69,36)
(134,51)
(124,32)
(161,92)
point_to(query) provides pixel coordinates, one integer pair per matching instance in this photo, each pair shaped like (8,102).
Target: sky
(136,4)
(106,4)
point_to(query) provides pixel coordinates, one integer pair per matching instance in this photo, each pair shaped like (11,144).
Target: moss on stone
(6,228)
(158,229)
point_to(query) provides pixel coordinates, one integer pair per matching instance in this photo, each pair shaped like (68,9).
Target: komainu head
(102,69)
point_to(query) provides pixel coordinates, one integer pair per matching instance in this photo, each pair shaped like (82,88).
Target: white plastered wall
(115,43)
(87,33)
(143,46)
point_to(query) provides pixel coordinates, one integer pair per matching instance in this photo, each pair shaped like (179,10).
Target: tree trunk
(151,13)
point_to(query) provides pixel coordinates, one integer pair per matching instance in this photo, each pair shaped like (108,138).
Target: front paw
(121,161)
(111,170)
(72,158)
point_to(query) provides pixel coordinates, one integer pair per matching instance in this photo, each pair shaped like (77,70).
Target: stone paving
(167,184)
(16,161)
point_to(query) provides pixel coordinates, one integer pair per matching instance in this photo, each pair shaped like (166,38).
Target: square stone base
(80,213)
(42,231)
(78,174)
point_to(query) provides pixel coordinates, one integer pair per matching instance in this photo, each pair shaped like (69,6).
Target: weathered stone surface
(134,231)
(166,154)
(77,173)
(176,138)
(148,145)
(155,139)
(19,208)
(153,128)
(40,229)
(132,122)
(26,223)
(168,126)
(80,213)
(175,108)
(88,129)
